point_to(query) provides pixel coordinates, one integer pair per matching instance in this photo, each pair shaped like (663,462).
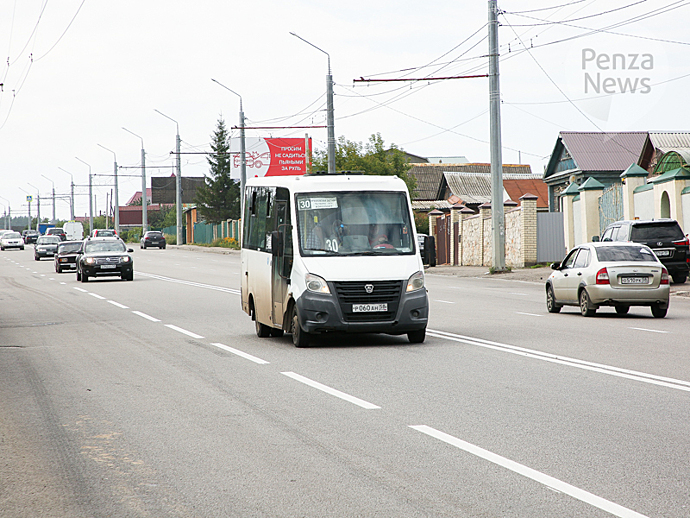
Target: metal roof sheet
(607,151)
(667,140)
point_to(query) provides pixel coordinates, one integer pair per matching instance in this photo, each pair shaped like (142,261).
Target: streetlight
(117,198)
(28,201)
(8,221)
(90,196)
(243,156)
(51,181)
(178,183)
(329,109)
(38,199)
(144,201)
(71,204)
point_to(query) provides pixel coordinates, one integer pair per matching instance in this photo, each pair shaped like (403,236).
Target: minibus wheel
(262,331)
(299,336)
(417,337)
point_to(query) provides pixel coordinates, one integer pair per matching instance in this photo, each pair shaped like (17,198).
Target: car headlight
(316,284)
(125,259)
(415,282)
(90,260)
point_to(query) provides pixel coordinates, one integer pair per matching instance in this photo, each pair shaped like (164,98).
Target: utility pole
(71,203)
(178,190)
(144,201)
(497,216)
(38,200)
(8,221)
(330,116)
(116,210)
(51,181)
(90,197)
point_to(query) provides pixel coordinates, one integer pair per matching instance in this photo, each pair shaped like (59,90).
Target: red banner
(272,157)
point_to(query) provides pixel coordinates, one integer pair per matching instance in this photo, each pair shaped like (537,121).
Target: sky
(74,73)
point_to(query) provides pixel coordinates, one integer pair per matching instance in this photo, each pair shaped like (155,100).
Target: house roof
(137,196)
(604,151)
(475,188)
(516,188)
(670,141)
(430,176)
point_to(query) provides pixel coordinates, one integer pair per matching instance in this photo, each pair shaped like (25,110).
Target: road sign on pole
(29,198)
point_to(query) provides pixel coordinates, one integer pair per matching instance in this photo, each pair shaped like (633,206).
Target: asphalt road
(155,398)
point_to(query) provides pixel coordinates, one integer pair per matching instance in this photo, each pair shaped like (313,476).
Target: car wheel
(658,311)
(300,338)
(163,247)
(78,275)
(36,258)
(417,337)
(586,307)
(679,278)
(551,305)
(58,269)
(622,310)
(143,247)
(84,277)
(22,248)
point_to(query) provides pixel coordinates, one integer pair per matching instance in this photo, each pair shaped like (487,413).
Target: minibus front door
(282,262)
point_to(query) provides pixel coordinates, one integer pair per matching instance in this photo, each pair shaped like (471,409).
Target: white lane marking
(644,377)
(97,296)
(331,391)
(528,314)
(81,289)
(51,279)
(183,331)
(444,301)
(242,354)
(648,330)
(537,476)
(118,304)
(63,283)
(32,272)
(189,283)
(147,317)
(42,275)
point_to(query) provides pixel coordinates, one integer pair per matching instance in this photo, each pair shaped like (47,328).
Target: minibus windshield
(354,223)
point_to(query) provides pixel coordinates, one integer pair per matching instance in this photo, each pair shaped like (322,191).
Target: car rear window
(71,247)
(625,253)
(656,231)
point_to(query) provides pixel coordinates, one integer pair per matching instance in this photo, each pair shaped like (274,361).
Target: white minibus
(332,253)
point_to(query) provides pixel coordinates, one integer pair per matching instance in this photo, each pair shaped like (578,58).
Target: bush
(226,242)
(170,239)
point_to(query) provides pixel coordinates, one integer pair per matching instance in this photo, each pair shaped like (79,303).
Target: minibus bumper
(320,313)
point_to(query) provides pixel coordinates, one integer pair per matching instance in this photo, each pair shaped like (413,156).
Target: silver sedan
(609,274)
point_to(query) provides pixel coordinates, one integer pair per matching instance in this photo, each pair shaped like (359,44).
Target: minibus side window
(258,218)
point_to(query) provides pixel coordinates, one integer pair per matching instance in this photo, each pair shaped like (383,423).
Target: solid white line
(331,391)
(537,476)
(242,354)
(81,289)
(118,304)
(528,314)
(148,317)
(190,283)
(97,296)
(648,330)
(444,301)
(183,331)
(564,360)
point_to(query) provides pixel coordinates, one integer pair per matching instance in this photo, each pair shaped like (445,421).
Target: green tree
(372,158)
(219,198)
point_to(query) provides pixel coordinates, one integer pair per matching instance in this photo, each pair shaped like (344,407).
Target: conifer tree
(219,199)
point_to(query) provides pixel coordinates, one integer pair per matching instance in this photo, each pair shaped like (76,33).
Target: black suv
(101,256)
(663,236)
(30,236)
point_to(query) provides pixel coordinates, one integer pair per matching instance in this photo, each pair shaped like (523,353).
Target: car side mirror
(556,265)
(595,239)
(130,250)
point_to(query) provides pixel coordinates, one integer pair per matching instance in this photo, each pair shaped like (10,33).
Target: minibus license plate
(367,308)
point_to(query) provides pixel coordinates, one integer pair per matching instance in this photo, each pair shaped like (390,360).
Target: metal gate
(610,206)
(550,237)
(443,240)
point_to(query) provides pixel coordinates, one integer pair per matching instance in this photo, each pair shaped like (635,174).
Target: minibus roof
(332,182)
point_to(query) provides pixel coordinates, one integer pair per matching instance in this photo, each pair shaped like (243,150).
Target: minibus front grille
(374,292)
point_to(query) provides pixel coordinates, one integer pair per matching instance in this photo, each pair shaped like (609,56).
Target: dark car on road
(30,236)
(663,236)
(152,238)
(104,256)
(46,246)
(57,231)
(66,255)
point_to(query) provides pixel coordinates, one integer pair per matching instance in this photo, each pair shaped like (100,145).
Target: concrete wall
(577,223)
(644,204)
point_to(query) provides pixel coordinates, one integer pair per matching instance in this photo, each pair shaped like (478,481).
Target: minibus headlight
(416,282)
(316,284)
